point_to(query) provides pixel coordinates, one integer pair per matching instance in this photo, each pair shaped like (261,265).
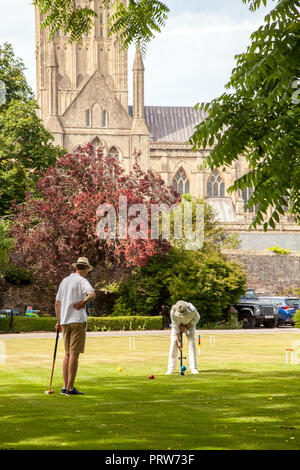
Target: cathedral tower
(77,62)
(82,90)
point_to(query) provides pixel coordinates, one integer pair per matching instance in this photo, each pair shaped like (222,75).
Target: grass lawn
(245,397)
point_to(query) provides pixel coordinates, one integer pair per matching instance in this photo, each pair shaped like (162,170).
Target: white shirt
(193,317)
(72,289)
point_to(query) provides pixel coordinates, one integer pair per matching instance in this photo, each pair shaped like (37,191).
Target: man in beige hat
(184,318)
(73,294)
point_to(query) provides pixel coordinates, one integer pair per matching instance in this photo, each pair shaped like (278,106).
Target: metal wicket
(132,343)
(289,356)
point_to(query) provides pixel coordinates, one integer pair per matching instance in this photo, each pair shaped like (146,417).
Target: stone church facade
(82,91)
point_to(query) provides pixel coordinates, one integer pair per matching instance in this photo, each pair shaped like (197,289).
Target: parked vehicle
(9,312)
(252,312)
(287,307)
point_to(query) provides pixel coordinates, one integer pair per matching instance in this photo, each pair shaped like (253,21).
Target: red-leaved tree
(54,229)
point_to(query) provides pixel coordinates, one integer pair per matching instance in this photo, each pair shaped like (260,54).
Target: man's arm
(91,295)
(57,311)
(179,343)
(196,318)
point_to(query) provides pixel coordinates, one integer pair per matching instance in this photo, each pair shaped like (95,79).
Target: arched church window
(246,195)
(104,119)
(181,183)
(88,118)
(98,143)
(114,153)
(215,186)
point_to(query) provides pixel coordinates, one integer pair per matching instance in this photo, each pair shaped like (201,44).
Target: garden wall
(269,273)
(43,298)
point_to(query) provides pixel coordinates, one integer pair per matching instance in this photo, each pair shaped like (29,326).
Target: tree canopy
(25,144)
(136,23)
(258,116)
(59,224)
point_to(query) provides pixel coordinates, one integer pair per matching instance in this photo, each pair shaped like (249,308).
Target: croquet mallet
(50,391)
(181,372)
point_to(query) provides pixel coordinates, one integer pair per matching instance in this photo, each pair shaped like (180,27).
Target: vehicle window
(250,294)
(293,302)
(271,301)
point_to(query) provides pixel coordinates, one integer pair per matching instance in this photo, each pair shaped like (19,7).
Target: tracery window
(98,143)
(215,186)
(114,153)
(246,195)
(181,183)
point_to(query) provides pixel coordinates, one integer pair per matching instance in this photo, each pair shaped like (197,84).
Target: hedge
(297,319)
(26,325)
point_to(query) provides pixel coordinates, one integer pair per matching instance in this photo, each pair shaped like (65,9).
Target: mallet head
(49,392)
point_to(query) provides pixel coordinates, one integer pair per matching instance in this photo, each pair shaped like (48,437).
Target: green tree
(258,116)
(6,245)
(204,278)
(25,144)
(214,234)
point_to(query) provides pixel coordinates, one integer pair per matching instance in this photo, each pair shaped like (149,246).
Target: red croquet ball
(151,376)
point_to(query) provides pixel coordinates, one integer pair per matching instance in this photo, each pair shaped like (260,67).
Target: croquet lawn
(246,397)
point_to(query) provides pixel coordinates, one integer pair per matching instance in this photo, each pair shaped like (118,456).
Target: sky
(189,62)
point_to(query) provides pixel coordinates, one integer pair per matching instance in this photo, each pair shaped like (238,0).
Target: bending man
(184,318)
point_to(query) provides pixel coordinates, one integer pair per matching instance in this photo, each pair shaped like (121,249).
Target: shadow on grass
(223,409)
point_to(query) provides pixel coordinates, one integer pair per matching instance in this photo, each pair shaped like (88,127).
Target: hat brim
(80,264)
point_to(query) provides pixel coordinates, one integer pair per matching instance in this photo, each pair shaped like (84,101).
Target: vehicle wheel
(271,323)
(248,321)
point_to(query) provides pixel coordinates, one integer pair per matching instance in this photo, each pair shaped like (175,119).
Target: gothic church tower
(82,90)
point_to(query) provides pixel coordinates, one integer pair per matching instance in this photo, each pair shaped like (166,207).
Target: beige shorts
(74,335)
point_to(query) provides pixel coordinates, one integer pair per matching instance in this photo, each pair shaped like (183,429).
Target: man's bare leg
(72,370)
(66,370)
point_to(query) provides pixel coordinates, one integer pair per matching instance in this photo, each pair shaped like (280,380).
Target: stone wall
(269,273)
(43,299)
(13,296)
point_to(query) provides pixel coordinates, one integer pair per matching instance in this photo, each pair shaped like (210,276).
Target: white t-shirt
(72,289)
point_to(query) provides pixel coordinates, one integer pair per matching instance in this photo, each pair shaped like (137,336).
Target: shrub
(207,280)
(26,325)
(124,323)
(279,251)
(17,275)
(6,245)
(297,319)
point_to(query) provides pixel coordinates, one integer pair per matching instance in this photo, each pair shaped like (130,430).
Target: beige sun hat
(183,312)
(83,261)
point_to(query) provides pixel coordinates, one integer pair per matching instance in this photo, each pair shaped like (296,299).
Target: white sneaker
(169,372)
(194,371)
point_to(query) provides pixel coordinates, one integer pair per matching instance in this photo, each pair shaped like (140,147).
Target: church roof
(172,123)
